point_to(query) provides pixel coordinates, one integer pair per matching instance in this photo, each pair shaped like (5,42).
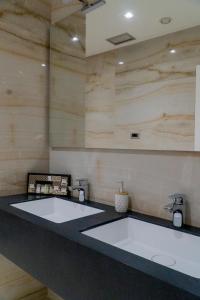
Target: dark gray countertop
(71,231)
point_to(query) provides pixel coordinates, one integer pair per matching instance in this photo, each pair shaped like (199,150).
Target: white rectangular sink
(57,210)
(174,249)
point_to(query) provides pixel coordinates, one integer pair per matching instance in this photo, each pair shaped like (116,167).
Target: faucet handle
(177,198)
(82,181)
(83,184)
(169,207)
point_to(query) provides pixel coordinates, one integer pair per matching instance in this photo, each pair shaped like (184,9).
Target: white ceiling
(108,21)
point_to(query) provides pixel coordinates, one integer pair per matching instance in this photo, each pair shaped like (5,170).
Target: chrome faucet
(177,208)
(83,188)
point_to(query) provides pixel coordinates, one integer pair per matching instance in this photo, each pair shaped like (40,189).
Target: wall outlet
(134,135)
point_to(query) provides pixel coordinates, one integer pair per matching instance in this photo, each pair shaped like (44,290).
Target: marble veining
(149,177)
(23,86)
(96,103)
(68,79)
(24,42)
(152,94)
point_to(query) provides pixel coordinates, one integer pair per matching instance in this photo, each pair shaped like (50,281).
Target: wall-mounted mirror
(123,75)
(67,82)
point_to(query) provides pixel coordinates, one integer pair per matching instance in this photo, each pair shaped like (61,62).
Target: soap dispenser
(178,218)
(121,199)
(81,195)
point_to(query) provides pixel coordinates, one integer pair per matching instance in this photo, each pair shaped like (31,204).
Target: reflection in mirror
(68,77)
(139,94)
(143,96)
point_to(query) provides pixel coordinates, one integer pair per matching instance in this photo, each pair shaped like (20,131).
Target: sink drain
(164,260)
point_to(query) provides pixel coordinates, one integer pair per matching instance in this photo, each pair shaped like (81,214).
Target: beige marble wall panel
(184,68)
(38,8)
(62,33)
(24,41)
(152,94)
(148,176)
(23,32)
(13,174)
(70,63)
(23,106)
(65,80)
(53,296)
(67,129)
(163,115)
(68,79)
(148,54)
(100,101)
(67,109)
(61,10)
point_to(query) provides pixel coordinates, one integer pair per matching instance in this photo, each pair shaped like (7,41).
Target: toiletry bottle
(178,218)
(121,199)
(81,195)
(38,188)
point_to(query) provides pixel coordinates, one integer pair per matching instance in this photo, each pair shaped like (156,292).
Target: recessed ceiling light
(172,51)
(75,39)
(43,65)
(121,62)
(165,20)
(128,15)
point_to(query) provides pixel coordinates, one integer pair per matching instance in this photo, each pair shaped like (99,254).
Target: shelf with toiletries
(48,184)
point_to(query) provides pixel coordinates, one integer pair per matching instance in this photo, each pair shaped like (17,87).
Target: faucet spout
(169,207)
(177,208)
(83,188)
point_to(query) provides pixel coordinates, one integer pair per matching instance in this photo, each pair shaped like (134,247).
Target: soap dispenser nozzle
(121,186)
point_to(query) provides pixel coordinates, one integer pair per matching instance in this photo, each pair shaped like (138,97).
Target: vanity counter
(78,267)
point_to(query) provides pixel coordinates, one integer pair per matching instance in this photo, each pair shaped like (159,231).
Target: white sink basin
(57,210)
(173,249)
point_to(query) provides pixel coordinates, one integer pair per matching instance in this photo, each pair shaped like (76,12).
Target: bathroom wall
(149,176)
(151,94)
(60,10)
(24,38)
(68,78)
(24,41)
